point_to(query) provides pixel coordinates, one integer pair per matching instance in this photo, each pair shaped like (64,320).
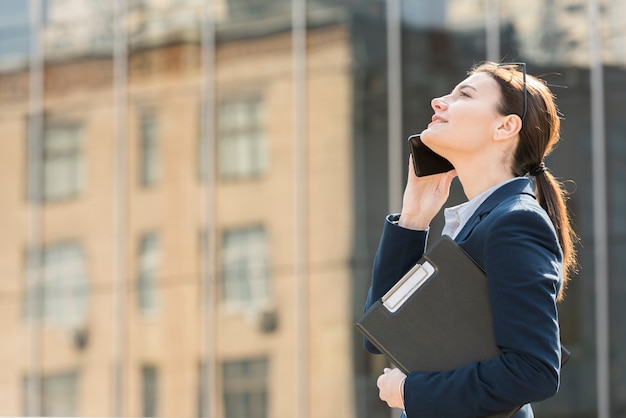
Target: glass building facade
(193,193)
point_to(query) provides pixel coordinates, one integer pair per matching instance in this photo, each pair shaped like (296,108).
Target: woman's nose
(438,103)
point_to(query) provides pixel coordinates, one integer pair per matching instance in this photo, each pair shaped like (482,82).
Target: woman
(495,127)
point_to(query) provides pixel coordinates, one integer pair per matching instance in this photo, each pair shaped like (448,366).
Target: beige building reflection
(73,322)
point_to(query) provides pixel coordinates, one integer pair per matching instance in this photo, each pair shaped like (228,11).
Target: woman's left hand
(391,387)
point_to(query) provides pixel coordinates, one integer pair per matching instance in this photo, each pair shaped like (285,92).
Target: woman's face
(465,121)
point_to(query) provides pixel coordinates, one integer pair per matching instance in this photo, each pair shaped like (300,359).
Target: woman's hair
(538,136)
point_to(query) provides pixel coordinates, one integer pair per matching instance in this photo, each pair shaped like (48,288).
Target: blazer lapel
(513,188)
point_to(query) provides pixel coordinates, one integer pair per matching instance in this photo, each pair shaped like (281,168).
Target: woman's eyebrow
(462,86)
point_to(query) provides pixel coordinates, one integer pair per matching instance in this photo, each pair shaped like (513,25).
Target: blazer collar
(517,187)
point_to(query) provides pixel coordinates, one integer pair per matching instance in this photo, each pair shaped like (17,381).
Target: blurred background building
(193,192)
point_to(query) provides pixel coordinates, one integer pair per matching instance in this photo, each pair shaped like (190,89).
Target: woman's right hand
(424,197)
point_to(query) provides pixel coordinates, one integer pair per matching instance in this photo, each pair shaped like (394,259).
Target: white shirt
(457,216)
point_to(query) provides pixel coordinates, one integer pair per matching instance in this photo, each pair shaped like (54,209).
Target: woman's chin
(432,139)
(427,135)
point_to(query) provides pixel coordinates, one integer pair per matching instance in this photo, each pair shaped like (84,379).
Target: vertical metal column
(301,190)
(120,206)
(492,27)
(600,213)
(395,163)
(395,142)
(35,198)
(208,269)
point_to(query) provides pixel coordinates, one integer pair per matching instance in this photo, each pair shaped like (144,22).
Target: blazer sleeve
(399,249)
(522,260)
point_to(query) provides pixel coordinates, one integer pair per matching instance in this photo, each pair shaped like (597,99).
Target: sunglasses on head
(523,70)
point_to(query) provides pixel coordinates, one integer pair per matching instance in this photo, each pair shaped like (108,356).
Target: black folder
(437,317)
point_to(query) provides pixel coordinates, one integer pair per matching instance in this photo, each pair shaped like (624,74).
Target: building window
(149,391)
(148,262)
(242,144)
(57,292)
(59,395)
(203,398)
(63,171)
(246,388)
(255,9)
(245,271)
(149,164)
(203,262)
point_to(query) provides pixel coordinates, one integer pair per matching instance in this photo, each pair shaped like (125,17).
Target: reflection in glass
(148,268)
(150,160)
(242,143)
(246,388)
(59,396)
(149,391)
(63,289)
(63,168)
(245,273)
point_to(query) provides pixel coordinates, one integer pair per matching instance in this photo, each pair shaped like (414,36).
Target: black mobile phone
(425,160)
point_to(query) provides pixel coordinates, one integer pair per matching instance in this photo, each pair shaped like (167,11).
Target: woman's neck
(475,181)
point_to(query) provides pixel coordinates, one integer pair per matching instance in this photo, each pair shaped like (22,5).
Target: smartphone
(425,160)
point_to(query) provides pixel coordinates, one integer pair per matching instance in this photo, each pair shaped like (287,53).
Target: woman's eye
(462,93)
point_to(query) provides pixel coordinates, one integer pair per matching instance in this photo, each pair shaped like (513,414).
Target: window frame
(246,252)
(247,391)
(149,148)
(243,149)
(147,297)
(36,262)
(67,157)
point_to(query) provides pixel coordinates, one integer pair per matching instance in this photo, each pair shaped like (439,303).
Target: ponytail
(552,197)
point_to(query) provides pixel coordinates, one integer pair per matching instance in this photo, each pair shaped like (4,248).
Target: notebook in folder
(437,317)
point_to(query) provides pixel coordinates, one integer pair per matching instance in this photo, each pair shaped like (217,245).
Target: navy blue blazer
(513,239)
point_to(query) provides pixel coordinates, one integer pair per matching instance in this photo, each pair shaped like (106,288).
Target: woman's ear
(510,125)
